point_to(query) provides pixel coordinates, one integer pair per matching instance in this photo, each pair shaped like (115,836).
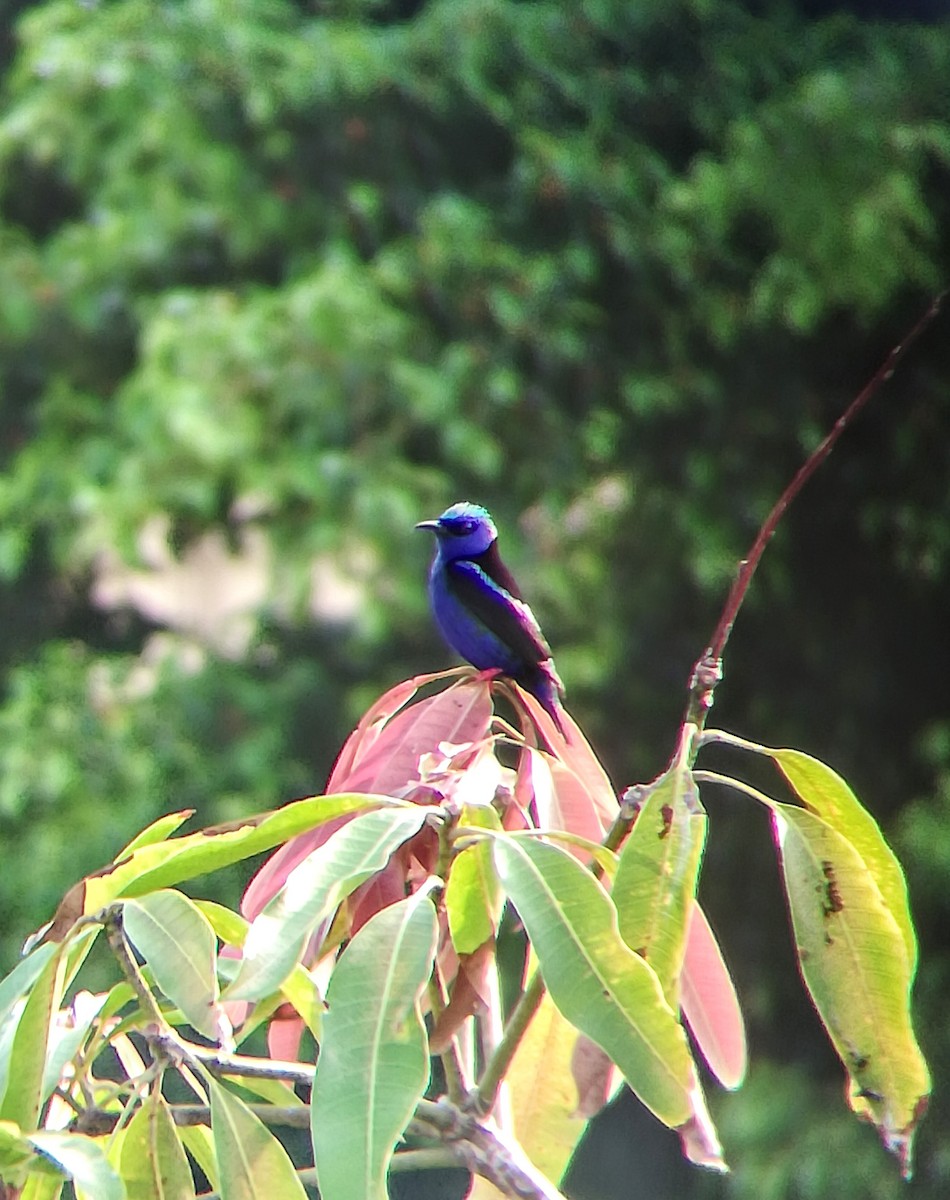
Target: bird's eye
(464,528)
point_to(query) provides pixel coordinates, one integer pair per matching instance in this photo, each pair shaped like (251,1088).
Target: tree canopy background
(278,280)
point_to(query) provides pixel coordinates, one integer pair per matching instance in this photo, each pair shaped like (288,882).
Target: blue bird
(479,609)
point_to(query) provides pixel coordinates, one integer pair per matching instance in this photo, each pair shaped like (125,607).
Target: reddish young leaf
(461,713)
(710,1005)
(370,726)
(578,757)
(470,995)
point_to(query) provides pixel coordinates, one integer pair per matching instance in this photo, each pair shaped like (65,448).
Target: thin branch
(708,670)
(483,1099)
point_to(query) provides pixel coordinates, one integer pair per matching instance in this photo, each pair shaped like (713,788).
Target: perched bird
(478,606)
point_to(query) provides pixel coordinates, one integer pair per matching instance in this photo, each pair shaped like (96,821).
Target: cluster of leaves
(305,274)
(408,861)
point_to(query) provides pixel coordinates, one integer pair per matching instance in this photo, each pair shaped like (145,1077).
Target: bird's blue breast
(464,632)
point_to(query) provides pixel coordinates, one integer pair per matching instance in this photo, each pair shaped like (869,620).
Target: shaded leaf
(83,1160)
(177,941)
(252,1164)
(373,1065)
(153,1164)
(854,961)
(314,888)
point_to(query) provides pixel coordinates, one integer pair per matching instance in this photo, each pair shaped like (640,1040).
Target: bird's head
(464,530)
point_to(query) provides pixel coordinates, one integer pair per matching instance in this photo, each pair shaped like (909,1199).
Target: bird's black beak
(428,525)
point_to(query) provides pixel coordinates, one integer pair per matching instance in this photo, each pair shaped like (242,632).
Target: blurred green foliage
(278,280)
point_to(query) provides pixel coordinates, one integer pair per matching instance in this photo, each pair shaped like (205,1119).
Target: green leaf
(314,888)
(825,793)
(298,989)
(41,1185)
(15,1150)
(153,1163)
(198,1140)
(27,1062)
(373,1065)
(164,864)
(159,831)
(252,1163)
(83,1160)
(657,876)
(854,961)
(600,985)
(178,943)
(473,896)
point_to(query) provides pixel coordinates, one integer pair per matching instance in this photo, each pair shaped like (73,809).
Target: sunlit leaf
(826,794)
(543,1097)
(153,1164)
(252,1164)
(158,831)
(710,1005)
(601,986)
(26,1066)
(473,896)
(657,876)
(178,943)
(298,989)
(313,890)
(854,960)
(373,1065)
(164,864)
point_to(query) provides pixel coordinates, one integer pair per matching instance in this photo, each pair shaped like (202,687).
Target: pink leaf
(461,713)
(595,1076)
(578,756)
(710,1005)
(562,801)
(369,728)
(284,1033)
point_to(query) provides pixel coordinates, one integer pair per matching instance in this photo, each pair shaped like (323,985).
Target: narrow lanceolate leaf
(84,1161)
(657,876)
(26,1064)
(313,890)
(177,941)
(544,1100)
(473,896)
(159,831)
(710,1005)
(826,794)
(854,961)
(153,1163)
(298,989)
(373,1065)
(252,1164)
(166,863)
(601,986)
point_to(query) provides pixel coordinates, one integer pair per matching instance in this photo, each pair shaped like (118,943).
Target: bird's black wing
(504,614)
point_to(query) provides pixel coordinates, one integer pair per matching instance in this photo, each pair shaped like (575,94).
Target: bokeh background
(278,279)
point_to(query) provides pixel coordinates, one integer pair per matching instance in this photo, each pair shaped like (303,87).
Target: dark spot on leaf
(667,814)
(802,954)
(829,940)
(867,1094)
(860,1062)
(832,902)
